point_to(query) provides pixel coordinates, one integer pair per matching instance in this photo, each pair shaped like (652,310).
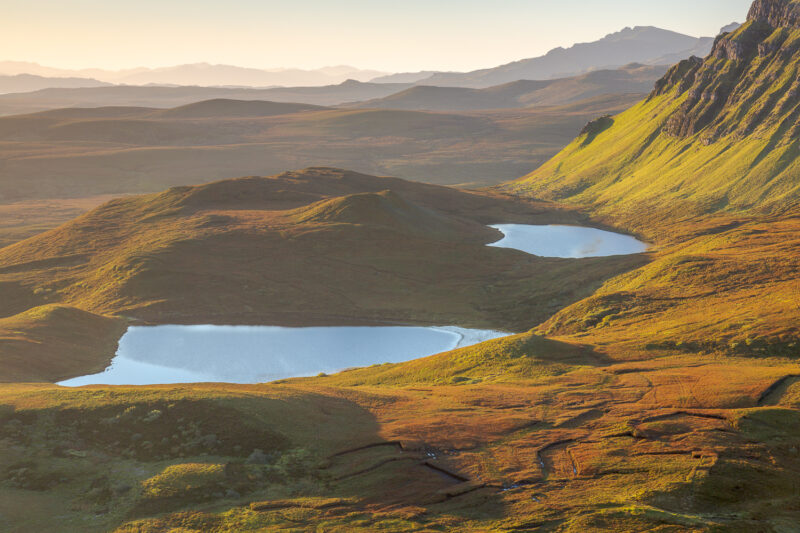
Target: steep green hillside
(719,134)
(708,167)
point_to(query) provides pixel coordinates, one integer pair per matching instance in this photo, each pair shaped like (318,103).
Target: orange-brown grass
(735,290)
(21,220)
(53,342)
(668,444)
(521,357)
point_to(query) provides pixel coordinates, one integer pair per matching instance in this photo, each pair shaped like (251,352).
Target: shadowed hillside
(21,220)
(222,108)
(72,337)
(316,247)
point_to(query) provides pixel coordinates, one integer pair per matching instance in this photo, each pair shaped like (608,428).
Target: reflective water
(256,354)
(566,241)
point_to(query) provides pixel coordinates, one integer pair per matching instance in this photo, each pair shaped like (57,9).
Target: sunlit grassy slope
(715,135)
(707,167)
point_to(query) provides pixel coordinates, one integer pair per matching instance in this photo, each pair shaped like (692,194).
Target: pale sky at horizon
(384,35)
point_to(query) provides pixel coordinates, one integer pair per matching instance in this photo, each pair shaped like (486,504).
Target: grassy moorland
(665,400)
(20,220)
(315,247)
(73,153)
(670,444)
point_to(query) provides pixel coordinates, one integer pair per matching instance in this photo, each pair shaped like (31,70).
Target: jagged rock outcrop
(776,12)
(750,74)
(598,125)
(680,75)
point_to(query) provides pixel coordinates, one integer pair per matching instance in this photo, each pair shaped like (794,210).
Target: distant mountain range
(405,77)
(153,96)
(23,83)
(202,74)
(631,79)
(643,44)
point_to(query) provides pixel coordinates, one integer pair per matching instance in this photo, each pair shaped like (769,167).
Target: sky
(385,35)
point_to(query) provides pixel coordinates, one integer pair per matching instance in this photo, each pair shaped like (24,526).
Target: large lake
(566,241)
(150,355)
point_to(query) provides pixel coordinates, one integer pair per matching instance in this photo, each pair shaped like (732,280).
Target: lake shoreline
(171,354)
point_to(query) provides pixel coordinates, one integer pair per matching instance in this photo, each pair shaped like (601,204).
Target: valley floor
(671,444)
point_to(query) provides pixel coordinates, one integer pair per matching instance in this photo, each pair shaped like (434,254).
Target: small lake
(151,355)
(566,241)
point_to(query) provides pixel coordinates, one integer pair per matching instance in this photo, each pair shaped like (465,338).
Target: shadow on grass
(218,447)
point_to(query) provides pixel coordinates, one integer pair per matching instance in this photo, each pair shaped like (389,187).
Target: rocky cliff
(750,80)
(776,12)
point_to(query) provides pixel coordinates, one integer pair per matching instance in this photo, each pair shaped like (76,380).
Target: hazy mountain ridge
(23,83)
(405,77)
(631,79)
(701,49)
(203,74)
(641,44)
(349,91)
(648,45)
